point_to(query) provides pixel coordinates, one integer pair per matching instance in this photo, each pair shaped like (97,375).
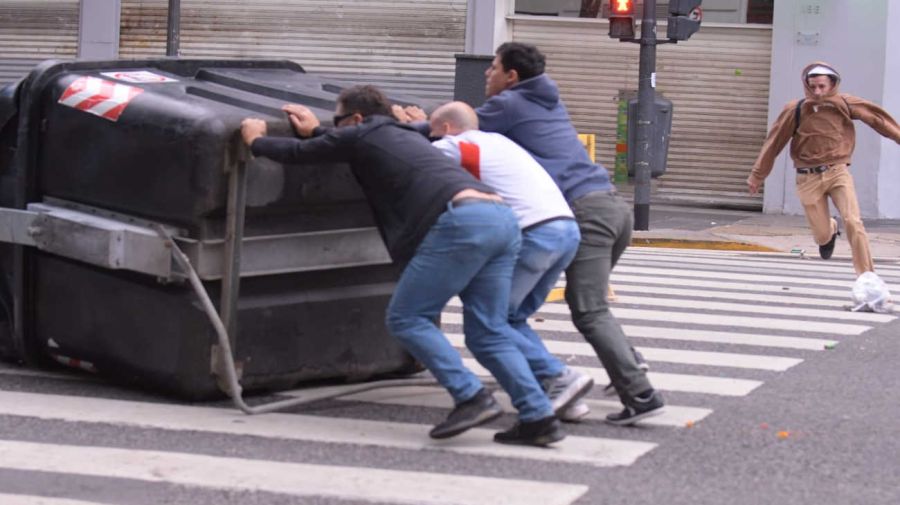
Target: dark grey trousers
(605,222)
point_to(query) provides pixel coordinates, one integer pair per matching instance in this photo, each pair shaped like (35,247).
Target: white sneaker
(566,388)
(578,411)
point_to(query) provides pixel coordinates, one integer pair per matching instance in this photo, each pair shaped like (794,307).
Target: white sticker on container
(139,76)
(100,97)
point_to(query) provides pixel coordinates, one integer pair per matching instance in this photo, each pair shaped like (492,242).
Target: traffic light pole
(643,156)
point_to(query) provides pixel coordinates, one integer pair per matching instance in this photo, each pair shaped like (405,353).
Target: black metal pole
(173,29)
(644,156)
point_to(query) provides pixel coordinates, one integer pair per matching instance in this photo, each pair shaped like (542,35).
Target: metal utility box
(96,157)
(661,131)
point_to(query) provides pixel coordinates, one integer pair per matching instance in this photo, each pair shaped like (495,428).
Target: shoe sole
(586,383)
(485,417)
(633,419)
(541,441)
(566,417)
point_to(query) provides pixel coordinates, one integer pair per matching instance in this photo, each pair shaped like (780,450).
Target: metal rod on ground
(234,389)
(643,156)
(173,28)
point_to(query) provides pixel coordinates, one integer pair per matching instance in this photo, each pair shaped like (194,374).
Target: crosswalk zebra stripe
(779,280)
(698,318)
(681,303)
(298,479)
(685,334)
(745,261)
(593,451)
(693,294)
(685,383)
(810,295)
(21,499)
(687,357)
(889,267)
(673,416)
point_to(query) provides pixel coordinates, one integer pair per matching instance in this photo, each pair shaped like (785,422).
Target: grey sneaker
(566,388)
(578,411)
(649,403)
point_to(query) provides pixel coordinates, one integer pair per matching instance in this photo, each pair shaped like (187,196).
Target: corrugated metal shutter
(718,82)
(406,47)
(35,30)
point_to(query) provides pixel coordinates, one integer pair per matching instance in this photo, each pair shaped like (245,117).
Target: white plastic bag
(870,294)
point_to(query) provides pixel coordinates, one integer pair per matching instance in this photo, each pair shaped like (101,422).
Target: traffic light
(621,19)
(684,19)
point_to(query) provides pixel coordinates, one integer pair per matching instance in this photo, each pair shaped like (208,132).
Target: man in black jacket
(455,235)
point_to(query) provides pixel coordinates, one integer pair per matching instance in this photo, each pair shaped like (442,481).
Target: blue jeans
(546,251)
(469,251)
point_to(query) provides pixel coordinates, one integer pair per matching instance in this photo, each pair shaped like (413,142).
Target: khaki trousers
(836,183)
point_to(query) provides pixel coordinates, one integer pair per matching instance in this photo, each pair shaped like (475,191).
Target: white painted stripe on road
(407,436)
(779,280)
(812,294)
(21,499)
(687,357)
(795,265)
(675,303)
(297,479)
(685,383)
(758,257)
(433,397)
(651,291)
(715,319)
(685,334)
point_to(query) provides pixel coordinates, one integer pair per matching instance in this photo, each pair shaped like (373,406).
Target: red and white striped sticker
(100,97)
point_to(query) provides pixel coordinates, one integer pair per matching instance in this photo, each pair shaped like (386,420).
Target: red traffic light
(622,7)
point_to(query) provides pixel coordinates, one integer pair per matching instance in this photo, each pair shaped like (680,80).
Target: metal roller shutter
(718,82)
(406,47)
(35,30)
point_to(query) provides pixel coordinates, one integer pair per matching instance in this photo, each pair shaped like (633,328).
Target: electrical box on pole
(621,19)
(684,19)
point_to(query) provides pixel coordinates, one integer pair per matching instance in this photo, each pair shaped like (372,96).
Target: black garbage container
(94,155)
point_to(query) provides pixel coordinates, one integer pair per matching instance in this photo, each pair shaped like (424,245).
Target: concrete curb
(719,245)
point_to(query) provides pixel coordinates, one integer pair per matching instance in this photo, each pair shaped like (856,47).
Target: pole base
(642,216)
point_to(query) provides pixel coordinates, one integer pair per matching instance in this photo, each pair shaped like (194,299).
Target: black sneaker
(481,408)
(644,405)
(539,433)
(825,251)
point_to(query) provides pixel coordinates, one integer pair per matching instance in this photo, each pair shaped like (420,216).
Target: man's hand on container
(302,119)
(252,129)
(752,185)
(399,113)
(415,113)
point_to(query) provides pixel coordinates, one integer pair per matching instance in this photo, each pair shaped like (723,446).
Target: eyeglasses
(340,117)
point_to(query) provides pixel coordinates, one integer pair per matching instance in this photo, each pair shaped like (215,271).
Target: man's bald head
(453,118)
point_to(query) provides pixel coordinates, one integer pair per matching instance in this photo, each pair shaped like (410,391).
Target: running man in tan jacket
(820,128)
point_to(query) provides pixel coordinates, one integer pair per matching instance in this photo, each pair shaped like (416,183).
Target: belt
(813,170)
(471,200)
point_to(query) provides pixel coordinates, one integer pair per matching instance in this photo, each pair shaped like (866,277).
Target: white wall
(853,36)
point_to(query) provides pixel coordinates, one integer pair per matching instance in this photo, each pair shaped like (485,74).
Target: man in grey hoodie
(524,104)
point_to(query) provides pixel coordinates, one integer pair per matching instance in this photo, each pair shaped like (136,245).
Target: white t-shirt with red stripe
(511,171)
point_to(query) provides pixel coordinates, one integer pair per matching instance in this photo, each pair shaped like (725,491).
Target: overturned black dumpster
(100,160)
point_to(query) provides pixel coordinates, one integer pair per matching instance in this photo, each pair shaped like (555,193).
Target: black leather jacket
(407,181)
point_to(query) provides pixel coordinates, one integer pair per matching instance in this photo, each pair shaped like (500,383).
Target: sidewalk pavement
(707,228)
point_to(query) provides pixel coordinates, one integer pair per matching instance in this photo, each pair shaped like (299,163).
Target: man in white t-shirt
(550,236)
